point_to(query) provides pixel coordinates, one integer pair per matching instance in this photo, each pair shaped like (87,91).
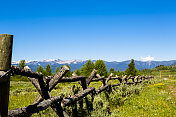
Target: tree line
(87,68)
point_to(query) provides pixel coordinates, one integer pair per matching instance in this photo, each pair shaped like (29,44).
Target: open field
(156,98)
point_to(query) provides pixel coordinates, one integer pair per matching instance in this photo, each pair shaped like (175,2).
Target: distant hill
(77,64)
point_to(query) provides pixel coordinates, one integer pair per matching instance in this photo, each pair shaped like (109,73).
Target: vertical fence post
(6,41)
(160,74)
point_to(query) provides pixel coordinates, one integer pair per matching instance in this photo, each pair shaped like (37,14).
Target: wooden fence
(45,85)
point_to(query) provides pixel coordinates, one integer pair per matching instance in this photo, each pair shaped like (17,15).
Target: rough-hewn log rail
(57,77)
(128,83)
(125,77)
(74,79)
(35,108)
(101,78)
(91,77)
(102,88)
(76,97)
(97,79)
(27,73)
(3,75)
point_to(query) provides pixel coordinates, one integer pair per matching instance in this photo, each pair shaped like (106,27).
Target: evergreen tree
(78,72)
(22,64)
(40,69)
(131,70)
(87,68)
(118,73)
(101,68)
(57,69)
(48,70)
(112,70)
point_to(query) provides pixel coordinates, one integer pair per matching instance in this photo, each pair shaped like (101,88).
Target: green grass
(153,99)
(21,94)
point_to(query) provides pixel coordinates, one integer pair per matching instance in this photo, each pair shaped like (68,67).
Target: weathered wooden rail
(57,103)
(45,85)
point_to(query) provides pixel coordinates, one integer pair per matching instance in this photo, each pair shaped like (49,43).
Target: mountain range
(77,64)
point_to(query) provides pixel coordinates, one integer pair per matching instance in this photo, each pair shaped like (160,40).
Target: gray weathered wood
(83,84)
(25,72)
(124,77)
(91,77)
(139,77)
(76,97)
(46,89)
(36,84)
(46,95)
(97,79)
(6,42)
(4,75)
(116,85)
(53,81)
(35,108)
(74,79)
(57,77)
(101,78)
(115,78)
(135,78)
(128,83)
(108,78)
(98,76)
(102,88)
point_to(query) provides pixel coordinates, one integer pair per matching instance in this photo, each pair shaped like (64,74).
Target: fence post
(6,41)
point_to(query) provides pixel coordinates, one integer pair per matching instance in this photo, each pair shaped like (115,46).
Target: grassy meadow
(150,99)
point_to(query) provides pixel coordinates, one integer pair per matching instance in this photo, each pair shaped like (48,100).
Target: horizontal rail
(25,72)
(3,75)
(76,97)
(128,83)
(97,79)
(102,88)
(35,108)
(74,79)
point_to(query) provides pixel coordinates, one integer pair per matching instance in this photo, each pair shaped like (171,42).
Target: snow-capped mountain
(77,64)
(74,64)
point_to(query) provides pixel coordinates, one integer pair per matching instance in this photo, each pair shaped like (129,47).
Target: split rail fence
(45,85)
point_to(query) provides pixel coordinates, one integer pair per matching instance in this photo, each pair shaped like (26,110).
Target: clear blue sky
(112,30)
